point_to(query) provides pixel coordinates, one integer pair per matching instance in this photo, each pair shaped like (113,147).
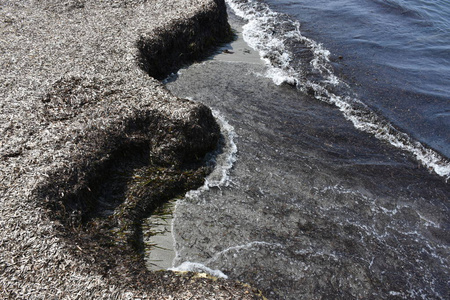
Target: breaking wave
(279,41)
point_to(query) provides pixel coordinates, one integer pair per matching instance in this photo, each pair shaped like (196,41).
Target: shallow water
(312,208)
(157,238)
(395,55)
(396,105)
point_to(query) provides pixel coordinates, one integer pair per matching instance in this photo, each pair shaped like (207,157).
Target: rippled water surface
(313,208)
(395,54)
(304,204)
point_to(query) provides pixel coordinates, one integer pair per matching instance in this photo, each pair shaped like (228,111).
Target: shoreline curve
(82,122)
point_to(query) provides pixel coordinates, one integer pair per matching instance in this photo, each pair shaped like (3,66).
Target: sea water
(320,190)
(394,54)
(384,64)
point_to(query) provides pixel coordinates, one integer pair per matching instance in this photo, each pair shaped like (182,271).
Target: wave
(223,159)
(278,40)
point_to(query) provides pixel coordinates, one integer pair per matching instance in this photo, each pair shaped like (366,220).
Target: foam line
(219,177)
(198,267)
(267,32)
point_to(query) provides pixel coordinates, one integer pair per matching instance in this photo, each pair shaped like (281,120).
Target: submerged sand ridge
(90,144)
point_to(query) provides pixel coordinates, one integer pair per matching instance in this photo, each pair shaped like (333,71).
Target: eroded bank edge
(71,196)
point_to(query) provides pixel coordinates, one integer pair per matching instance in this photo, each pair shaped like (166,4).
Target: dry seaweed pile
(90,144)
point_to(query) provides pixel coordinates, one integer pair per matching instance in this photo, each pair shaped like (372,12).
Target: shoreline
(307,179)
(296,152)
(364,117)
(162,255)
(83,122)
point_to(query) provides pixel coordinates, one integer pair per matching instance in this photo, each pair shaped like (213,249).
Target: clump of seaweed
(90,144)
(130,170)
(190,41)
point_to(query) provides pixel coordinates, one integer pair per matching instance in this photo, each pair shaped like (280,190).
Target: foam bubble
(219,177)
(268,32)
(223,162)
(199,268)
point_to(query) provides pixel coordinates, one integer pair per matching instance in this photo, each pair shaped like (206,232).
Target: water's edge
(91,144)
(270,33)
(314,207)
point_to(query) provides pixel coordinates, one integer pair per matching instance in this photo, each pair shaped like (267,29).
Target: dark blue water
(394,53)
(384,63)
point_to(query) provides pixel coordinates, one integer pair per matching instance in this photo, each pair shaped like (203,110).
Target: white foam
(219,177)
(258,33)
(198,267)
(201,267)
(229,155)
